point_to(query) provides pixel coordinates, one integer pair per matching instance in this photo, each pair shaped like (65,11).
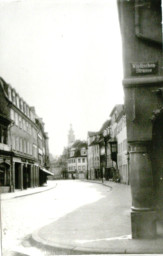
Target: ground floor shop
(20,173)
(77,175)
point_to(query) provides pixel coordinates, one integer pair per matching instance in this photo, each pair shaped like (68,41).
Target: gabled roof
(118,107)
(90,134)
(79,144)
(105,125)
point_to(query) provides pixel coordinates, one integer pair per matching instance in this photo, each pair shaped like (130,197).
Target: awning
(46,171)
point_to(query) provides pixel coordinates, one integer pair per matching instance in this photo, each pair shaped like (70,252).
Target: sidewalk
(102,227)
(20,193)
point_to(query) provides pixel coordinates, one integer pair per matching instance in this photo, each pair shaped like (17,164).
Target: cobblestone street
(22,216)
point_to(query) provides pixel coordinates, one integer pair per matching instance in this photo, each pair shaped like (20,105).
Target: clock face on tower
(148,20)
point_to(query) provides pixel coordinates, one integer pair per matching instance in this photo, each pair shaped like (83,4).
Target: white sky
(64,58)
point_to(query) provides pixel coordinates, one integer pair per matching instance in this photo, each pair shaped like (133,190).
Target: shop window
(4,174)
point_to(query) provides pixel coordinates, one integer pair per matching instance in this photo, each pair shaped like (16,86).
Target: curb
(29,194)
(37,192)
(113,249)
(96,182)
(38,241)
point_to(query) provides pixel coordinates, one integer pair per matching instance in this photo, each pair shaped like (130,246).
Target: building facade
(107,149)
(93,155)
(24,151)
(77,161)
(119,135)
(141,30)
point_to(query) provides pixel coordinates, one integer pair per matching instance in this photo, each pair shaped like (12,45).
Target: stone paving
(22,215)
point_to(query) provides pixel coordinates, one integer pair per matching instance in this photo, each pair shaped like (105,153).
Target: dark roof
(79,144)
(105,125)
(92,133)
(118,107)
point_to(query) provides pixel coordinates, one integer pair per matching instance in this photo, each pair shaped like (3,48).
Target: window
(9,93)
(83,151)
(79,160)
(17,143)
(16,119)
(13,142)
(24,107)
(26,126)
(24,147)
(13,97)
(20,122)
(83,160)
(3,135)
(17,101)
(21,104)
(20,145)
(29,126)
(34,150)
(83,168)
(27,111)
(30,149)
(12,114)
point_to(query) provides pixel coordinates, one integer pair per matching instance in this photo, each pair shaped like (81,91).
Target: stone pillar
(143,217)
(34,175)
(37,176)
(31,176)
(21,176)
(13,177)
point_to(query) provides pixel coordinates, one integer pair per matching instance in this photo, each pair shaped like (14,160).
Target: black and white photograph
(81,127)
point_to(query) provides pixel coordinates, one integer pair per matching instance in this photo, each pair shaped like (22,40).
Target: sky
(64,57)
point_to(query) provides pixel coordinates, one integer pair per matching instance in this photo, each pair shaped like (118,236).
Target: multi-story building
(93,155)
(107,149)
(119,137)
(24,153)
(77,160)
(108,157)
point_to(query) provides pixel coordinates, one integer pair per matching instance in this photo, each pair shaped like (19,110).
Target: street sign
(145,68)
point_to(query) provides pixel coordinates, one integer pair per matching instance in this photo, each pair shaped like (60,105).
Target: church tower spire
(71,136)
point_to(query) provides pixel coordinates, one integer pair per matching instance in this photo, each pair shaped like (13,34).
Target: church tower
(71,136)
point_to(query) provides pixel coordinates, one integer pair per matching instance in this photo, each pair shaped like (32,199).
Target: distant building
(119,134)
(24,150)
(59,166)
(107,149)
(77,160)
(93,155)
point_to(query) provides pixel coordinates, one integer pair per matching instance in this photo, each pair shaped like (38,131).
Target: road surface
(22,216)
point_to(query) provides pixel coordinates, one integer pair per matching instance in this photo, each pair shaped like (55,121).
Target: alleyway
(22,216)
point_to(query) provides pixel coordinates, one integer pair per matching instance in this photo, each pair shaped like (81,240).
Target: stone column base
(143,224)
